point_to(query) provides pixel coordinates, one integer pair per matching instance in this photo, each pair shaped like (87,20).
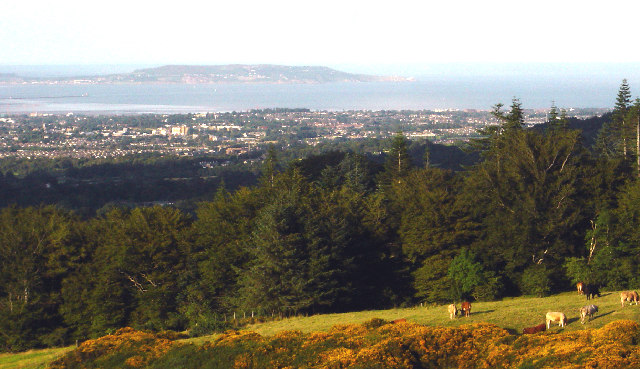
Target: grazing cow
(556,317)
(580,287)
(591,290)
(453,310)
(587,311)
(631,296)
(536,329)
(466,308)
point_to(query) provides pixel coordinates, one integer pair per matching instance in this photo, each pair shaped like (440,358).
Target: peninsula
(204,74)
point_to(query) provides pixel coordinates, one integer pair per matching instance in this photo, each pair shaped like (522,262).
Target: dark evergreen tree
(514,119)
(431,230)
(398,162)
(276,279)
(36,250)
(220,232)
(527,194)
(614,137)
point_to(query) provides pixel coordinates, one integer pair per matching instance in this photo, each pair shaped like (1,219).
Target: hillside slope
(507,318)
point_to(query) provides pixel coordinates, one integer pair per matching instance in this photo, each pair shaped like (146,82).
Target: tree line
(338,231)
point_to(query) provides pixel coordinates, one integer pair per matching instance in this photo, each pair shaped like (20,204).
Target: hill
(590,127)
(261,73)
(504,318)
(203,74)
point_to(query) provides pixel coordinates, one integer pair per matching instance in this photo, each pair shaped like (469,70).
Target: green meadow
(32,359)
(512,314)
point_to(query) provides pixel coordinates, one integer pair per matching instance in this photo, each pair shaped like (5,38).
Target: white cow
(555,316)
(453,310)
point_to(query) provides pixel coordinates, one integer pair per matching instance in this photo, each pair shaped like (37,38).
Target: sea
(432,93)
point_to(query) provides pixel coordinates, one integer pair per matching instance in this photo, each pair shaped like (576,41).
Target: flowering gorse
(404,345)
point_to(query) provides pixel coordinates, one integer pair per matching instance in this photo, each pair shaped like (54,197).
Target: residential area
(233,133)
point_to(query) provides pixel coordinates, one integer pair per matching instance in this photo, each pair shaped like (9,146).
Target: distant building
(159,131)
(179,130)
(236,150)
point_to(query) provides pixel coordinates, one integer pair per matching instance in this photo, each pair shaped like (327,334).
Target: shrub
(465,274)
(536,281)
(371,345)
(490,290)
(208,325)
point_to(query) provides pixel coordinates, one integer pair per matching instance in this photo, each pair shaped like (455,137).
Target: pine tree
(276,276)
(398,162)
(557,118)
(619,116)
(613,138)
(527,195)
(623,99)
(514,119)
(270,167)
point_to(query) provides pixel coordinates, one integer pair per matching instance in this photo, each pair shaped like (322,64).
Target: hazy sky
(328,32)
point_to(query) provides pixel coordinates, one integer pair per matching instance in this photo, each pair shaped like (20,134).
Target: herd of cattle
(586,312)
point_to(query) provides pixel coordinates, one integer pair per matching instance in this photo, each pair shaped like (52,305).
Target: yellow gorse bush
(147,346)
(404,345)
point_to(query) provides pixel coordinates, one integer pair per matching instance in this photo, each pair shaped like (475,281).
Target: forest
(540,209)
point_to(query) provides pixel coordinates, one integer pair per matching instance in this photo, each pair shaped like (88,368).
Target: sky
(395,36)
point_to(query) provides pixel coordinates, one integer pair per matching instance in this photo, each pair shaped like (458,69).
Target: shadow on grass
(572,320)
(599,316)
(512,331)
(482,312)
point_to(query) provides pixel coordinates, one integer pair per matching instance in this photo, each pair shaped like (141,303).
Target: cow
(466,308)
(453,310)
(398,321)
(580,287)
(591,290)
(554,316)
(536,329)
(587,311)
(631,296)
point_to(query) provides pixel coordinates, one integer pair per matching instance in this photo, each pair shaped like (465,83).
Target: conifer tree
(275,279)
(613,138)
(620,111)
(526,192)
(557,119)
(270,167)
(398,162)
(513,120)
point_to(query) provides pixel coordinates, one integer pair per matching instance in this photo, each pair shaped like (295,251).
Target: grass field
(512,314)
(32,359)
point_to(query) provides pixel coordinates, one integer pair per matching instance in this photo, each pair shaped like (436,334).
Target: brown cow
(466,308)
(398,321)
(536,329)
(555,316)
(631,296)
(580,287)
(453,310)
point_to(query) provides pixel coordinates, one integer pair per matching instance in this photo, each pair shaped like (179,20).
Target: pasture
(32,359)
(513,314)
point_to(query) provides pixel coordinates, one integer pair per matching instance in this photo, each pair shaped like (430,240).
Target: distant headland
(206,74)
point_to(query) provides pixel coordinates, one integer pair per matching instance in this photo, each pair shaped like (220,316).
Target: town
(234,133)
